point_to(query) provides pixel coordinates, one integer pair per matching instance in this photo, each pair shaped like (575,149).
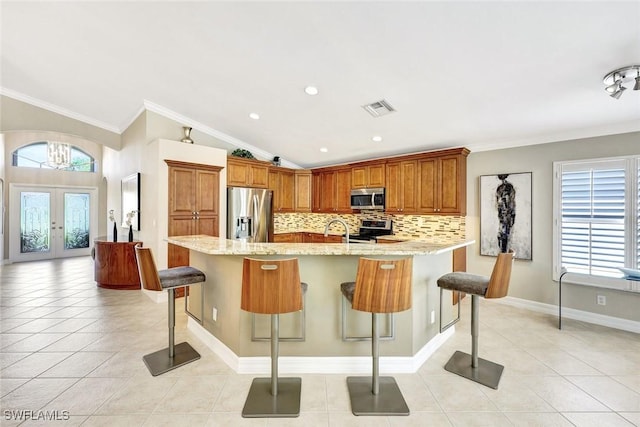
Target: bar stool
(174,356)
(381,286)
(272,287)
(471,366)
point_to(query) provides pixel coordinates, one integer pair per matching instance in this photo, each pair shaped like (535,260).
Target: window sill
(615,284)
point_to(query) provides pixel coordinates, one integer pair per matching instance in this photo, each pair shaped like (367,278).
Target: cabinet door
(394,189)
(207,225)
(452,186)
(274,184)
(180,226)
(376,175)
(316,192)
(237,174)
(343,190)
(286,238)
(427,196)
(302,188)
(287,191)
(328,192)
(359,177)
(181,191)
(206,192)
(258,176)
(409,188)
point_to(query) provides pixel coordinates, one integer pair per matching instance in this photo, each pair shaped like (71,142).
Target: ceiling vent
(379,108)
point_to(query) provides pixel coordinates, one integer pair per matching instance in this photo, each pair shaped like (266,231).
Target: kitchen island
(323,267)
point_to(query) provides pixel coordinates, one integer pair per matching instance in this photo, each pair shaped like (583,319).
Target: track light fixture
(616,78)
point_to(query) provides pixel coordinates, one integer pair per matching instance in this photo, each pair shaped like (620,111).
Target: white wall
(531,280)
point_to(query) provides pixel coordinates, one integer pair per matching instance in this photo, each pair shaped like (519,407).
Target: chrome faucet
(341,221)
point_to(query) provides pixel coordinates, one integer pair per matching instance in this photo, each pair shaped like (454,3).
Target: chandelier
(616,78)
(58,155)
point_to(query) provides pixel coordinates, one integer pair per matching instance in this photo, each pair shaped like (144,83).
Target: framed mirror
(131,200)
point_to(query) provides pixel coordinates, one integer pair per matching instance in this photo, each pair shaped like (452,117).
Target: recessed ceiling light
(376,138)
(254,116)
(311,90)
(324,149)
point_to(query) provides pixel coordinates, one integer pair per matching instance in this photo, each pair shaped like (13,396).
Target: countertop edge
(217,246)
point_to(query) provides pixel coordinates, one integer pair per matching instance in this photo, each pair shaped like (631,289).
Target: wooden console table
(115,264)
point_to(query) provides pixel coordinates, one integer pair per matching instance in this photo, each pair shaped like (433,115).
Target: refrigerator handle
(255,212)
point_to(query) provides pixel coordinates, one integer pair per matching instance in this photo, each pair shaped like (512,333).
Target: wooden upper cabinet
(303,187)
(402,186)
(368,176)
(332,190)
(443,183)
(282,182)
(343,190)
(247,173)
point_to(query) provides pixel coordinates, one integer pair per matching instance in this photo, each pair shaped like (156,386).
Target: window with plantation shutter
(597,216)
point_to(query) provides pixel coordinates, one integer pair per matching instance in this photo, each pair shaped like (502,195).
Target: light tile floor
(66,345)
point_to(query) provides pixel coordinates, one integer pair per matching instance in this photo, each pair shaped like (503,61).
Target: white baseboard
(157,297)
(572,313)
(318,365)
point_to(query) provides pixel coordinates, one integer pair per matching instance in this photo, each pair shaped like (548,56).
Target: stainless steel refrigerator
(250,214)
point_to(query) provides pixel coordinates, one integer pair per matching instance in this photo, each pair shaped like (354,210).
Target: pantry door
(51,222)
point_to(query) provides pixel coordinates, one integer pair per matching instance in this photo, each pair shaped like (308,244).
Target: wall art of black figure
(505,214)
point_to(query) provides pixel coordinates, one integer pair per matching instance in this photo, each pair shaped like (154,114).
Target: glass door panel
(76,212)
(35,219)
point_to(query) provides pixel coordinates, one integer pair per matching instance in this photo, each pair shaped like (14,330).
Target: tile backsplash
(409,226)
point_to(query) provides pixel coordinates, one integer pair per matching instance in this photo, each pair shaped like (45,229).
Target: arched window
(37,155)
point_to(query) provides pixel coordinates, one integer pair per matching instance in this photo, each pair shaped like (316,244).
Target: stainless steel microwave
(367,198)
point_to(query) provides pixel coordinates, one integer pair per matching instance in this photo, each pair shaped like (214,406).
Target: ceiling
(483,75)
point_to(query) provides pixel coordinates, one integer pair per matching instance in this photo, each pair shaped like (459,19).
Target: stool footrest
(388,401)
(159,362)
(487,373)
(261,403)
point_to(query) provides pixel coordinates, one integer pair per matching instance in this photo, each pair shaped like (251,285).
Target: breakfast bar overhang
(323,266)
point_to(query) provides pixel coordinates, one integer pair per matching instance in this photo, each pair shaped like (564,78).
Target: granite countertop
(217,246)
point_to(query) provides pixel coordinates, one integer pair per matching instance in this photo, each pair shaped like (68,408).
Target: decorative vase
(187,135)
(131,233)
(115,232)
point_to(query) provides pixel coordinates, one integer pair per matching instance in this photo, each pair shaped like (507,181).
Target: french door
(51,222)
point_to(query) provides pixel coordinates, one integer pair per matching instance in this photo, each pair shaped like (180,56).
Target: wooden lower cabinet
(305,238)
(287,238)
(115,265)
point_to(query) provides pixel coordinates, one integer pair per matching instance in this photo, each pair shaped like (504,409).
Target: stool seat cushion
(348,289)
(465,282)
(180,276)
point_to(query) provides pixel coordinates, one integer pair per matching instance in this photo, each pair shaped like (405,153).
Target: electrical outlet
(601,300)
(214,314)
(433,317)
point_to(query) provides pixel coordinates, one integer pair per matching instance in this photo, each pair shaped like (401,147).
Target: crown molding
(186,121)
(57,109)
